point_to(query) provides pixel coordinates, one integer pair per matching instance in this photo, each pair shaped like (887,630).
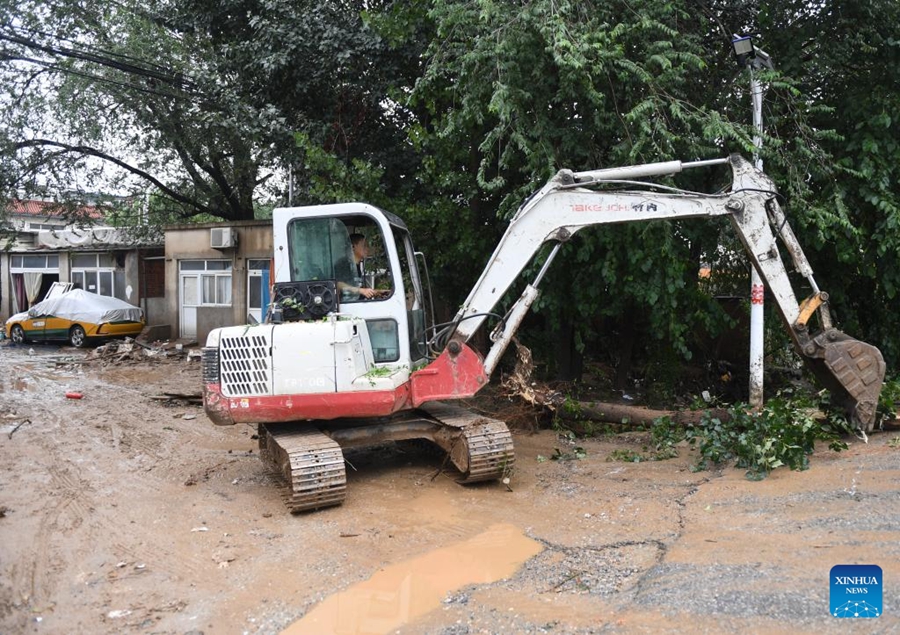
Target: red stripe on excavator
(330,405)
(216,406)
(447,377)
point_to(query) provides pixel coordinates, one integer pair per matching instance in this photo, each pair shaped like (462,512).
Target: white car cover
(79,305)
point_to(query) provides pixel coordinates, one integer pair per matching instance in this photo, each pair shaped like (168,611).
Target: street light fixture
(743,49)
(747,54)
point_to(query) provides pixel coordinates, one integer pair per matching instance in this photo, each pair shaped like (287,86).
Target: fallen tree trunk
(631,415)
(519,384)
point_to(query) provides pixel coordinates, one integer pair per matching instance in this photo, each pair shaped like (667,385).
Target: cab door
(34,327)
(57,328)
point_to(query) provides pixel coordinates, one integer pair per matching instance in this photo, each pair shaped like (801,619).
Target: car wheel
(17,334)
(77,337)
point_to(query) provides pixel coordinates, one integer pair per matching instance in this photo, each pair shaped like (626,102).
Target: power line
(173,78)
(98,78)
(90,47)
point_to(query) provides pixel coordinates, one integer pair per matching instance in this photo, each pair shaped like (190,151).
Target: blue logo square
(856,590)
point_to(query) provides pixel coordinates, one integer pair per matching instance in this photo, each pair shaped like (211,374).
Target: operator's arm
(367,293)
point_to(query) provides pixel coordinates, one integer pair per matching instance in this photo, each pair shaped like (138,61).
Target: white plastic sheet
(79,305)
(81,237)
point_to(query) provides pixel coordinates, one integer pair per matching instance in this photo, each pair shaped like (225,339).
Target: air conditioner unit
(222,237)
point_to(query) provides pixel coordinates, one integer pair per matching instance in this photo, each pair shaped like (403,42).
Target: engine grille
(246,365)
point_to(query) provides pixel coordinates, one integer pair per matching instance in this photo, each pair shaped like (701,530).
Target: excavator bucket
(851,370)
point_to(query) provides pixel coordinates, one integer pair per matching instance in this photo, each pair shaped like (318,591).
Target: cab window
(348,250)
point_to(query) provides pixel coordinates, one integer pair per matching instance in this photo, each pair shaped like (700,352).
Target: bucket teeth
(309,462)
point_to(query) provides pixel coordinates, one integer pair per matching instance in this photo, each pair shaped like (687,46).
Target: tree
(204,102)
(451,113)
(109,97)
(846,57)
(536,87)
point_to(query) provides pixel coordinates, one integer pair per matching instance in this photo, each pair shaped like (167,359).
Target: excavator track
(480,447)
(310,463)
(489,451)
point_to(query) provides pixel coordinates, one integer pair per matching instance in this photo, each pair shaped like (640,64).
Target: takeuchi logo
(616,207)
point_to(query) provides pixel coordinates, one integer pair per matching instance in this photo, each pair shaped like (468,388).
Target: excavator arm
(852,370)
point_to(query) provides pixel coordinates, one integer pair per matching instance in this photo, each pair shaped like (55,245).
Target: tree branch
(89,151)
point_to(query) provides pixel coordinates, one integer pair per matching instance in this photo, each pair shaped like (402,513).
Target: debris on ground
(519,384)
(129,350)
(17,426)
(635,415)
(177,398)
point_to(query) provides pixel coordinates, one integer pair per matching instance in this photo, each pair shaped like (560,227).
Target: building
(197,278)
(214,275)
(44,248)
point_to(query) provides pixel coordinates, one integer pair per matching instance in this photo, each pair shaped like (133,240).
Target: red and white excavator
(332,368)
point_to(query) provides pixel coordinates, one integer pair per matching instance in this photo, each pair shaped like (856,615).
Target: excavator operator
(352,285)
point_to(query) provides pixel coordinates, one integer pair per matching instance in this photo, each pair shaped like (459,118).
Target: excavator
(349,355)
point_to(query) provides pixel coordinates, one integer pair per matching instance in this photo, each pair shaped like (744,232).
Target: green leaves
(780,434)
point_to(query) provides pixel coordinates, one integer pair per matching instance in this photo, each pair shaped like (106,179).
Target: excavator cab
(315,254)
(328,350)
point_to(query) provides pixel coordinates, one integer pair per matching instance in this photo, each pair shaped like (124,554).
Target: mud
(400,593)
(124,514)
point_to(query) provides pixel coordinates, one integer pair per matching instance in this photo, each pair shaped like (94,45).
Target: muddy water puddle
(400,593)
(21,383)
(34,381)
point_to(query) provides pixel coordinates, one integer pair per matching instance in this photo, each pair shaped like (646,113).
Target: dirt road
(123,514)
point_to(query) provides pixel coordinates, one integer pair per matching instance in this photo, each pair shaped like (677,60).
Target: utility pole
(290,184)
(754,59)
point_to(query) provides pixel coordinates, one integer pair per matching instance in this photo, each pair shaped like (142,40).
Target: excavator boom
(853,370)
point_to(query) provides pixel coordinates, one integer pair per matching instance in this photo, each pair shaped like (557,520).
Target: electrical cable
(88,47)
(772,193)
(50,66)
(166,76)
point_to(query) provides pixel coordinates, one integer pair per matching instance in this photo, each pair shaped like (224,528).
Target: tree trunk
(620,413)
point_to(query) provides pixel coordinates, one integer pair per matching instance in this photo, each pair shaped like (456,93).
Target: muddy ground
(125,514)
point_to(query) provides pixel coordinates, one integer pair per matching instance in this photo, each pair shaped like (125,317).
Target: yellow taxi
(78,317)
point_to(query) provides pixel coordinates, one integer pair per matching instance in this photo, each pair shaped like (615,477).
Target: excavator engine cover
(852,370)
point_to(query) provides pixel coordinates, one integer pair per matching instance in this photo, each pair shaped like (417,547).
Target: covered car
(76,316)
